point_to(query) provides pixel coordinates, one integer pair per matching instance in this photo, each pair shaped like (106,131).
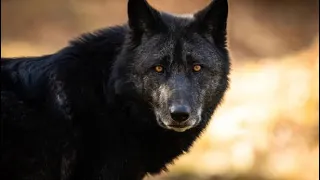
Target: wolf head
(178,65)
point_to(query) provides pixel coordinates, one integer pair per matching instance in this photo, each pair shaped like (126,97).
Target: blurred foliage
(268,125)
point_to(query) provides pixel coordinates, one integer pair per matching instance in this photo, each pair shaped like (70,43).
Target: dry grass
(268,125)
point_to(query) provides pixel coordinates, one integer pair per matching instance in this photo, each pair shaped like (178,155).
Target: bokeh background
(268,125)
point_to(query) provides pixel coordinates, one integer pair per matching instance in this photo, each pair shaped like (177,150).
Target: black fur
(97,109)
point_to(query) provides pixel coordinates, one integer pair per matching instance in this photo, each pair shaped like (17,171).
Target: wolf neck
(139,121)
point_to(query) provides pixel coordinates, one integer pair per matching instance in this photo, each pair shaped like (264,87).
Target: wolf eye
(196,68)
(158,68)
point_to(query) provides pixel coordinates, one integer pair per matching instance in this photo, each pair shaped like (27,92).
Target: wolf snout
(180,113)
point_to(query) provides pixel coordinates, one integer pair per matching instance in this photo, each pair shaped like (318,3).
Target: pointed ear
(211,22)
(142,17)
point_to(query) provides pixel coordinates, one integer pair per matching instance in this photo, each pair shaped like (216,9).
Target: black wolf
(115,104)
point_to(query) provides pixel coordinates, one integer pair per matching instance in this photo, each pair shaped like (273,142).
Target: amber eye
(158,69)
(196,68)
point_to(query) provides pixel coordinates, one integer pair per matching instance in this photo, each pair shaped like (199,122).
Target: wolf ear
(211,22)
(142,17)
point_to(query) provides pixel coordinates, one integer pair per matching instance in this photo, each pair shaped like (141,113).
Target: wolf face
(179,65)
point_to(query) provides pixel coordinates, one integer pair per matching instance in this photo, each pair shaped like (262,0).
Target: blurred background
(268,125)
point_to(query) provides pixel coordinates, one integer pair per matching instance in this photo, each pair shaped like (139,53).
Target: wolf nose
(180,113)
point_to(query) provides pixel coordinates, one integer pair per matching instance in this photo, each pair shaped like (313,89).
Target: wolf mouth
(179,128)
(176,127)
